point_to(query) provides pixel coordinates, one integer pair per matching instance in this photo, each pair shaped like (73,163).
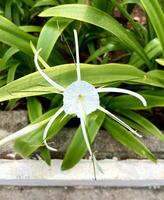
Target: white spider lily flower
(80,92)
(81,98)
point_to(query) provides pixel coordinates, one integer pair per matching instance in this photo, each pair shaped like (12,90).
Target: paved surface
(47,193)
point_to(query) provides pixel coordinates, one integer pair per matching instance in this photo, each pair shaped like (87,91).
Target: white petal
(56,85)
(77,56)
(39,57)
(72,103)
(119,90)
(48,127)
(119,121)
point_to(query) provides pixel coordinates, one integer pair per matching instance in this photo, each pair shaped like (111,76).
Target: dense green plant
(99,34)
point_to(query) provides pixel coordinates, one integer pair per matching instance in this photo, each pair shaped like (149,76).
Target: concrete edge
(84,183)
(127,173)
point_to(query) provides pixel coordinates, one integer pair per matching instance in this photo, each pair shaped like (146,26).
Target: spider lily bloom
(81,99)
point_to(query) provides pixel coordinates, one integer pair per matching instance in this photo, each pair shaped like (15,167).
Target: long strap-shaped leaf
(12,35)
(153,49)
(33,84)
(156,16)
(99,18)
(145,123)
(127,139)
(49,35)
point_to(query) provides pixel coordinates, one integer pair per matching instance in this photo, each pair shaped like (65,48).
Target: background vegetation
(108,33)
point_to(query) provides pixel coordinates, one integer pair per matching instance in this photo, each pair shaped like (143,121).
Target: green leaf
(33,84)
(49,35)
(140,129)
(12,71)
(154,78)
(152,49)
(131,2)
(99,18)
(45,155)
(159,74)
(8,54)
(11,35)
(77,147)
(154,98)
(107,48)
(142,121)
(34,108)
(160,61)
(45,3)
(126,138)
(156,16)
(138,28)
(27,144)
(31,28)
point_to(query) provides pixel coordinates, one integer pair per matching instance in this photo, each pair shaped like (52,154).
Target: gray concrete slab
(80,193)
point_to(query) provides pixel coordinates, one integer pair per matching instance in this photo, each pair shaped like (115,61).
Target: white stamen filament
(119,121)
(119,90)
(56,85)
(77,55)
(48,127)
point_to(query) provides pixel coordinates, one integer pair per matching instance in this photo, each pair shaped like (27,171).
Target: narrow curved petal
(77,56)
(48,127)
(39,57)
(20,133)
(119,90)
(56,85)
(119,121)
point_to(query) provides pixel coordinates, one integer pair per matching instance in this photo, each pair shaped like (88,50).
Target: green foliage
(103,39)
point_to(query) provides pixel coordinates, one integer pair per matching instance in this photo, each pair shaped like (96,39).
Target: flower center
(80,95)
